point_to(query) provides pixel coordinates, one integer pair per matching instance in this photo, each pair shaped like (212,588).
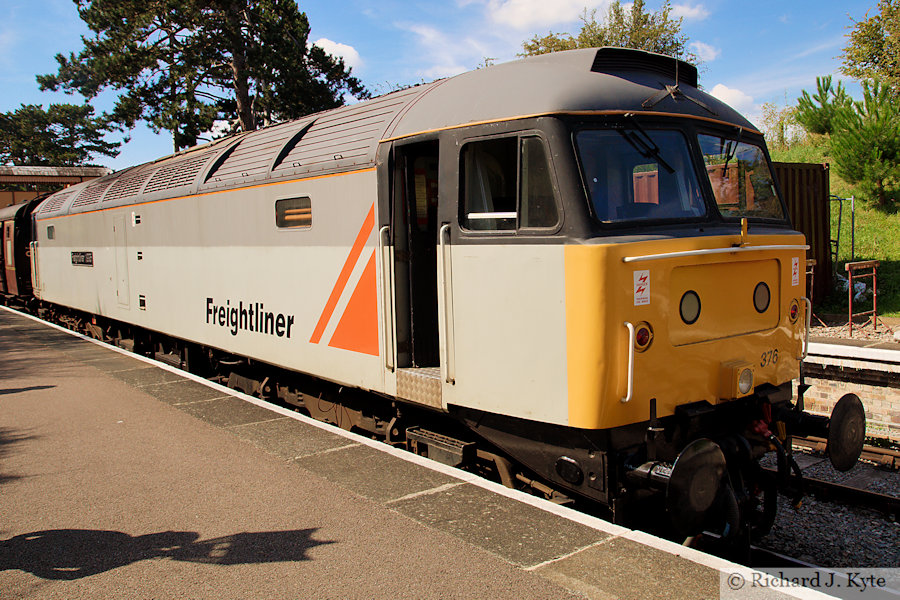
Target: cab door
(503,280)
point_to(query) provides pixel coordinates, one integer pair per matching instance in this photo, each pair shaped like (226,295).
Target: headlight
(745,382)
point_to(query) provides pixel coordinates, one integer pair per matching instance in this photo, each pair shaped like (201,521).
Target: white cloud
(696,12)
(445,54)
(735,98)
(348,53)
(525,14)
(706,52)
(832,44)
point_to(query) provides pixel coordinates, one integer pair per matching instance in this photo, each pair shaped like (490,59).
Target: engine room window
(506,185)
(740,178)
(637,174)
(51,232)
(293,213)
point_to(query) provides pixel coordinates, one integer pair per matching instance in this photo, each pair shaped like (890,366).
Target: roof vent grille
(55,202)
(127,186)
(91,194)
(177,174)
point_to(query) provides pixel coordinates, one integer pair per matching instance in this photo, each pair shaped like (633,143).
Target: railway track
(851,495)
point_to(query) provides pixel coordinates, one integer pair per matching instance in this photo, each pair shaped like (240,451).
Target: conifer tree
(62,135)
(181,65)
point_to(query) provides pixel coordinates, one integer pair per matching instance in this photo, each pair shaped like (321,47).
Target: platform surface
(120,479)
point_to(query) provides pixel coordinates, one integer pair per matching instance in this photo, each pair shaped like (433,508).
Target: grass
(877,237)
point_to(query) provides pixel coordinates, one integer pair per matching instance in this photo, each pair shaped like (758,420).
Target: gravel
(885,332)
(834,535)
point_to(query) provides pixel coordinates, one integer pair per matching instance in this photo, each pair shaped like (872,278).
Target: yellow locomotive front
(711,311)
(687,323)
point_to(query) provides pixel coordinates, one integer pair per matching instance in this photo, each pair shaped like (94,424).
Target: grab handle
(386,297)
(630,391)
(808,323)
(449,350)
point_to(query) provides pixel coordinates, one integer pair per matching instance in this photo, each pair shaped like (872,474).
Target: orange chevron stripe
(357,330)
(341,282)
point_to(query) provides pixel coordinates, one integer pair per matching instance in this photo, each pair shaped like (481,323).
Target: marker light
(794,311)
(761,297)
(690,307)
(643,335)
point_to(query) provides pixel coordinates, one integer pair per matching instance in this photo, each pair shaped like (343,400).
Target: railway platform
(125,479)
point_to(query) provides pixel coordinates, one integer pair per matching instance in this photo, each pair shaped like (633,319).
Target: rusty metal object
(884,457)
(861,270)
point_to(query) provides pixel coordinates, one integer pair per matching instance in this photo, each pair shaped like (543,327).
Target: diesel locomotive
(580,259)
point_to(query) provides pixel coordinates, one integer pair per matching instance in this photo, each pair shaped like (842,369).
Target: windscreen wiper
(643,143)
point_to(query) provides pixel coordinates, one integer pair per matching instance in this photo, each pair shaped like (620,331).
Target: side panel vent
(624,60)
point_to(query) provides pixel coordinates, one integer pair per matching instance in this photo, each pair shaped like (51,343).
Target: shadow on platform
(76,553)
(9,438)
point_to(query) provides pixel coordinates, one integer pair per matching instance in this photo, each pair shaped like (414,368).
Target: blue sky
(754,52)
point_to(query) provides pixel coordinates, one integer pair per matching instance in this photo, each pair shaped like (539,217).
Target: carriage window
(636,174)
(51,232)
(740,178)
(293,213)
(506,183)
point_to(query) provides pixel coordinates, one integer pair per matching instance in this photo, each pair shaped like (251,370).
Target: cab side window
(506,185)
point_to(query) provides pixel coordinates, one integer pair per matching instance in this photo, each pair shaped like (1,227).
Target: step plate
(422,386)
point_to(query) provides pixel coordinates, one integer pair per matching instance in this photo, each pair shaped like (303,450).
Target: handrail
(729,250)
(808,323)
(630,390)
(35,276)
(449,350)
(386,299)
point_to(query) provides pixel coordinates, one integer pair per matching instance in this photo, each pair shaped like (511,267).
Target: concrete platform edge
(614,531)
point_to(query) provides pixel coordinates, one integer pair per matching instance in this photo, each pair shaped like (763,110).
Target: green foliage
(780,126)
(62,135)
(627,28)
(181,65)
(816,113)
(862,137)
(865,143)
(873,51)
(875,240)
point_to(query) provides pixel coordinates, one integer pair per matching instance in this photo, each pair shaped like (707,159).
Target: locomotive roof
(346,138)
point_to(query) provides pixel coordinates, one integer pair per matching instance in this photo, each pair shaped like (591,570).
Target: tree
(63,135)
(816,113)
(863,136)
(873,51)
(865,142)
(181,65)
(627,28)
(780,126)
